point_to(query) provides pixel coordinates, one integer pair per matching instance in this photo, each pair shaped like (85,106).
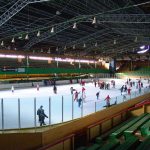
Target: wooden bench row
(128,132)
(119,132)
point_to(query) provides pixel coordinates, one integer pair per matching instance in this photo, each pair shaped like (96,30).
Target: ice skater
(122,88)
(41,115)
(72,90)
(83,92)
(37,87)
(79,102)
(12,89)
(97,95)
(107,100)
(55,89)
(76,95)
(129,91)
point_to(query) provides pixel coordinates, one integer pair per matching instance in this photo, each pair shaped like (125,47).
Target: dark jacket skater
(42,115)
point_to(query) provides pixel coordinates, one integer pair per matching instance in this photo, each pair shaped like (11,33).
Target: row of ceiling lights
(39,33)
(52,31)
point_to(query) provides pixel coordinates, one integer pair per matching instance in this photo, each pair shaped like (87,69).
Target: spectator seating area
(131,134)
(142,72)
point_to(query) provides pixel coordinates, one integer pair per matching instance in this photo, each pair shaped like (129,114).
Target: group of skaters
(54,88)
(37,88)
(103,84)
(129,84)
(76,97)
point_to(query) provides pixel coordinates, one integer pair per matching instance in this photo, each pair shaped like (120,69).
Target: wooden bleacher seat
(94,147)
(81,148)
(135,126)
(103,136)
(128,144)
(145,129)
(145,145)
(119,132)
(110,145)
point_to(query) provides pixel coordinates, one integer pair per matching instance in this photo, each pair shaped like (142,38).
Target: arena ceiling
(75,27)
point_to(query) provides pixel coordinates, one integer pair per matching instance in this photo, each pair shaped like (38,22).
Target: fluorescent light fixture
(11,56)
(73,60)
(142,47)
(143,51)
(84,61)
(40,58)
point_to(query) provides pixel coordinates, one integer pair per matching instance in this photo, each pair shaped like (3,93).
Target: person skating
(129,91)
(12,89)
(97,95)
(42,115)
(107,100)
(79,101)
(55,89)
(76,95)
(37,87)
(122,88)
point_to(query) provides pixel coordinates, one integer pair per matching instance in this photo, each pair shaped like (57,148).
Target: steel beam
(14,9)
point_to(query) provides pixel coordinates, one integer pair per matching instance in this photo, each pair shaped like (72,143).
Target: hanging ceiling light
(58,12)
(84,45)
(65,48)
(74,46)
(27,37)
(94,20)
(49,51)
(115,42)
(2,43)
(20,37)
(56,49)
(13,40)
(38,34)
(75,25)
(96,44)
(52,30)
(135,40)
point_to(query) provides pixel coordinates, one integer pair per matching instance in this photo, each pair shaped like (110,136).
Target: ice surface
(30,100)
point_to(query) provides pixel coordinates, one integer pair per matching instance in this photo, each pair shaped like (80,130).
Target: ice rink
(18,109)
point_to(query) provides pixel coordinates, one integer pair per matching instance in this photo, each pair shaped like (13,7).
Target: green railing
(53,70)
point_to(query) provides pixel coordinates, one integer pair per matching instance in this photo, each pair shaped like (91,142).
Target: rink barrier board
(138,110)
(59,82)
(22,141)
(80,124)
(120,117)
